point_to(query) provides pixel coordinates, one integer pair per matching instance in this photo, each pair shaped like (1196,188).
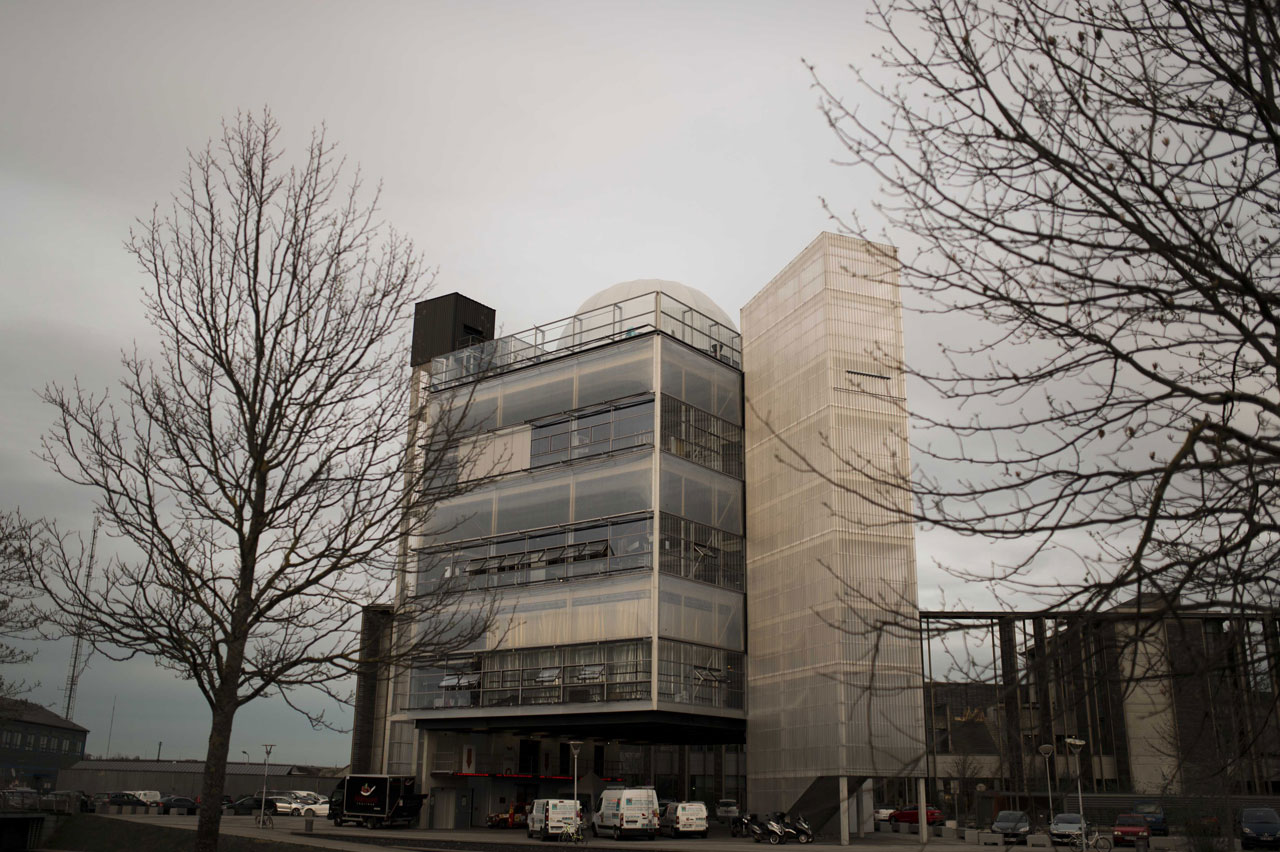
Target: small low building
(36,745)
(185,777)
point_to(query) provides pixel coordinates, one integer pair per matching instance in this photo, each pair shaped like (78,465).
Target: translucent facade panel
(615,372)
(533,502)
(694,612)
(536,393)
(829,694)
(701,495)
(609,490)
(493,454)
(584,611)
(544,499)
(700,381)
(545,390)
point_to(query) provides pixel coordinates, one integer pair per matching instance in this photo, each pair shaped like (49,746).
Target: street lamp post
(266,763)
(575,746)
(1075,744)
(1046,750)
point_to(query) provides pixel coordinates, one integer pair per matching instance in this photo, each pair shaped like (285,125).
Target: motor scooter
(740,826)
(771,829)
(800,828)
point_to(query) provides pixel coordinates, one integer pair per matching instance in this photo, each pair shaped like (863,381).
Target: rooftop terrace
(654,311)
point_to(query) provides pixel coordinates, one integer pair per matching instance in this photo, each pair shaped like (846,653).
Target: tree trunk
(215,774)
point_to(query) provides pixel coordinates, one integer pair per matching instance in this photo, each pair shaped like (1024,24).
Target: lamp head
(1045,749)
(1075,743)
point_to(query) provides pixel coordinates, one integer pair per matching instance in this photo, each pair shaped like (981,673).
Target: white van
(685,818)
(626,810)
(549,817)
(151,797)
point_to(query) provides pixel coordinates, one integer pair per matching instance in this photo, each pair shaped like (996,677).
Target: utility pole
(266,762)
(575,746)
(73,674)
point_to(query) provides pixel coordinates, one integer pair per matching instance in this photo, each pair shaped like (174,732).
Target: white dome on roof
(691,297)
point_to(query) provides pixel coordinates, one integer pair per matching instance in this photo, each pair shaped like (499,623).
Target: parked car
(1014,825)
(1153,812)
(118,798)
(169,804)
(250,805)
(1063,827)
(285,805)
(310,809)
(726,809)
(910,814)
(1128,828)
(684,818)
(1259,827)
(883,814)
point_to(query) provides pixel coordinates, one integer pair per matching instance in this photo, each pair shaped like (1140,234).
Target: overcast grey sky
(537,152)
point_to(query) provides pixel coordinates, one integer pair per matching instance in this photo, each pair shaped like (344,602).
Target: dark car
(127,800)
(1154,814)
(1259,827)
(250,805)
(169,804)
(909,815)
(1128,828)
(1014,825)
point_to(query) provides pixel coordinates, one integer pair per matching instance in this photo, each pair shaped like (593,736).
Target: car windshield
(1147,808)
(1075,818)
(1130,819)
(1260,815)
(728,803)
(1009,816)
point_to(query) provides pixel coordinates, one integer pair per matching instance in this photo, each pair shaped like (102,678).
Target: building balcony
(631,318)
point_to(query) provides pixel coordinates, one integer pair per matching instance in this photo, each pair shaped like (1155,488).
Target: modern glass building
(637,547)
(604,507)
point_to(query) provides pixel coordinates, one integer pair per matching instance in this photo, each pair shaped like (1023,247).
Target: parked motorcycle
(771,829)
(800,828)
(740,826)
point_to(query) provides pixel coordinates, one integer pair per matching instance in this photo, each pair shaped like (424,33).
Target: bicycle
(1095,841)
(262,819)
(573,833)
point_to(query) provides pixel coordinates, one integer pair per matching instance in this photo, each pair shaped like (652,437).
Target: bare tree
(1097,184)
(18,617)
(1086,200)
(258,466)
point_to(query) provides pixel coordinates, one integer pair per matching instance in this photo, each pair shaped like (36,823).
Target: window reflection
(585,550)
(607,671)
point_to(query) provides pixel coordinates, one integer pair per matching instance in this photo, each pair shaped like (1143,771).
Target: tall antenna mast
(73,674)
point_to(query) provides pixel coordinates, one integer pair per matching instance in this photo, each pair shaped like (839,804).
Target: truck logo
(366,789)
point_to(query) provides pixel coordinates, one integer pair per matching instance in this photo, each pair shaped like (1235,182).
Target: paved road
(290,829)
